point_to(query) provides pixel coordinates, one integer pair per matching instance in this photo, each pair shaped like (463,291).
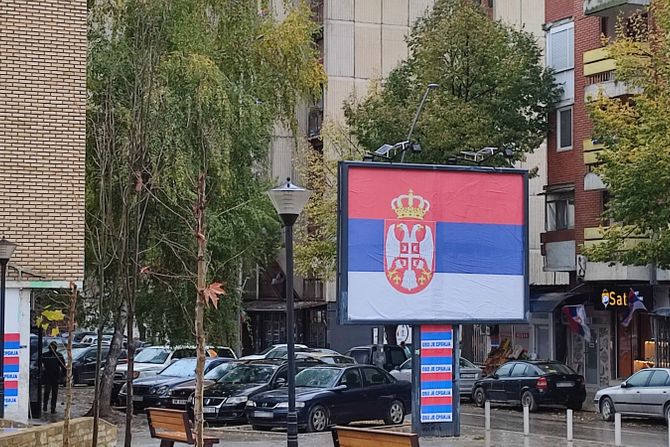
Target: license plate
(178,401)
(209,409)
(263,414)
(565,384)
(138,398)
(468,376)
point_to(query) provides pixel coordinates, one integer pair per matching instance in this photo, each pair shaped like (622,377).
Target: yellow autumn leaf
(53,315)
(54,331)
(38,321)
(45,326)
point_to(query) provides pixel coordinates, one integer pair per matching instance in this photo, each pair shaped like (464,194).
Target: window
(561,57)
(660,378)
(374,377)
(560,211)
(396,356)
(639,379)
(352,379)
(519,370)
(184,353)
(504,370)
(564,129)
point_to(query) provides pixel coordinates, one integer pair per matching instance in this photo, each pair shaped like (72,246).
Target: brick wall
(80,435)
(568,166)
(42,135)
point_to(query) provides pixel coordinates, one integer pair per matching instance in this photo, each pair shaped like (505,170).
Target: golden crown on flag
(410,206)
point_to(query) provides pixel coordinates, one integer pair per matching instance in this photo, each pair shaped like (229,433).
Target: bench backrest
(169,424)
(360,437)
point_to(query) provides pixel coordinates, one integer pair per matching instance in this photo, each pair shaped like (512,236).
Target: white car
(645,393)
(273,352)
(152,359)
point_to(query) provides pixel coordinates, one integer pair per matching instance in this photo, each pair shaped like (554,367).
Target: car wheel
(479,397)
(667,413)
(261,428)
(528,400)
(607,409)
(317,420)
(395,414)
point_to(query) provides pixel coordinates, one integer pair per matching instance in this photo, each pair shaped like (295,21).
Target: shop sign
(617,298)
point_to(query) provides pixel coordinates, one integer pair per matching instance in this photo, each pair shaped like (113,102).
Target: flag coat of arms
(433,245)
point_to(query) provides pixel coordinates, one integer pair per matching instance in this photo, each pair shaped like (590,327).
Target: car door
(379,393)
(351,404)
(655,394)
(496,390)
(514,382)
(87,371)
(405,371)
(395,356)
(628,399)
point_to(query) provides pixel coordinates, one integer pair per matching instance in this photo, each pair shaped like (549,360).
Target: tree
(635,165)
(493,89)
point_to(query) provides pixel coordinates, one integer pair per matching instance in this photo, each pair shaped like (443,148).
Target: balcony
(314,124)
(600,74)
(606,7)
(594,236)
(558,249)
(591,150)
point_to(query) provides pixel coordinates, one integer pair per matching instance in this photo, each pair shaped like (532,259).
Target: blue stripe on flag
(437,385)
(12,345)
(11,368)
(427,409)
(436,361)
(438,336)
(11,392)
(460,248)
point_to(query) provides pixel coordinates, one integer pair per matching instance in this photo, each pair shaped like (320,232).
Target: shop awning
(547,302)
(278,306)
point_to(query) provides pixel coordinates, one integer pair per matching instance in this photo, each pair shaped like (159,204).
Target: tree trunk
(200,311)
(68,377)
(107,378)
(390,330)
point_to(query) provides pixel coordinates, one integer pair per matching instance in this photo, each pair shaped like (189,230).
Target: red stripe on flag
(12,337)
(11,384)
(11,360)
(434,377)
(436,352)
(439,400)
(435,328)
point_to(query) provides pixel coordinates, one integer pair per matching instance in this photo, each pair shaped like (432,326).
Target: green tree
(493,89)
(635,165)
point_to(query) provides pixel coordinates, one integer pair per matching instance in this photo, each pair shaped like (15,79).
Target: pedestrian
(53,368)
(404,347)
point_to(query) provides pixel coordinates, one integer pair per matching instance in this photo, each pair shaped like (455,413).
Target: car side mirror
(341,387)
(624,385)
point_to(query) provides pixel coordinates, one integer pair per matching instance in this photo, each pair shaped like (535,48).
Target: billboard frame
(343,239)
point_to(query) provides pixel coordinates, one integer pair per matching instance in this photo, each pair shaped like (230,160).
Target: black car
(330,394)
(84,363)
(388,357)
(180,393)
(532,383)
(154,391)
(224,401)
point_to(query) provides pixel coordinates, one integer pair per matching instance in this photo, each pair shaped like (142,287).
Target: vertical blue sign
(436,373)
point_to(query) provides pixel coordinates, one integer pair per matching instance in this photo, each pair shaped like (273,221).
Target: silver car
(645,393)
(468,375)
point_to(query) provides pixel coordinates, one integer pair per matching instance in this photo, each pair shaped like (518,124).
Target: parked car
(84,363)
(332,359)
(645,393)
(271,352)
(154,391)
(224,401)
(532,384)
(387,356)
(468,374)
(328,395)
(180,393)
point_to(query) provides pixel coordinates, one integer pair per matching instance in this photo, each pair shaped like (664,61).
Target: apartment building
(361,41)
(575,196)
(42,150)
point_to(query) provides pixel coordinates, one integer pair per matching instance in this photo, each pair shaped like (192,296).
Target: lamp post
(289,200)
(6,250)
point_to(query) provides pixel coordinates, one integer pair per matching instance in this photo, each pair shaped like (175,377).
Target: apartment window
(564,129)
(561,57)
(560,211)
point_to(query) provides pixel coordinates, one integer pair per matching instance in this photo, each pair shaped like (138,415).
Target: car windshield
(465,363)
(266,350)
(219,371)
(555,368)
(317,377)
(180,368)
(361,356)
(248,374)
(78,353)
(153,355)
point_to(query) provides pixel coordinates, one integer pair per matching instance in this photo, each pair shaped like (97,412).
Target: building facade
(575,197)
(42,154)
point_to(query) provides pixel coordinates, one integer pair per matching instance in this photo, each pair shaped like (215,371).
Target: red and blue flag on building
(634,303)
(576,316)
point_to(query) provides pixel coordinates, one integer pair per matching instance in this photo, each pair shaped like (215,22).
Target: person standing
(405,348)
(53,368)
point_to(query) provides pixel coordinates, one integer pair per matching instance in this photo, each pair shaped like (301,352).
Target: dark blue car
(327,395)
(155,391)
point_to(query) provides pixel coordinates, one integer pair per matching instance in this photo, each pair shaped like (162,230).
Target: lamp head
(6,249)
(289,201)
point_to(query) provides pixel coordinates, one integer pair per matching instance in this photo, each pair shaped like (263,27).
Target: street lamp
(6,250)
(289,200)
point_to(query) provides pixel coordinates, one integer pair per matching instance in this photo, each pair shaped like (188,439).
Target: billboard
(426,243)
(436,374)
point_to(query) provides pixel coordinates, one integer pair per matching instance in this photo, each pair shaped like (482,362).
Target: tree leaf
(212,293)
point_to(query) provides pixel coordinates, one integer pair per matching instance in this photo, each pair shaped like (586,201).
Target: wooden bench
(172,426)
(363,437)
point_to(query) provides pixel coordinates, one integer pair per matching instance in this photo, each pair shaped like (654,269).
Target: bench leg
(166,443)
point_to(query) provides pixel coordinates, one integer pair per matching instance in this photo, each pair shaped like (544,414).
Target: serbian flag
(576,316)
(428,244)
(634,303)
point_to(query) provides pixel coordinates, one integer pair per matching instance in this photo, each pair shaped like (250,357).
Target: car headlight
(237,400)
(251,403)
(123,389)
(163,390)
(285,405)
(136,374)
